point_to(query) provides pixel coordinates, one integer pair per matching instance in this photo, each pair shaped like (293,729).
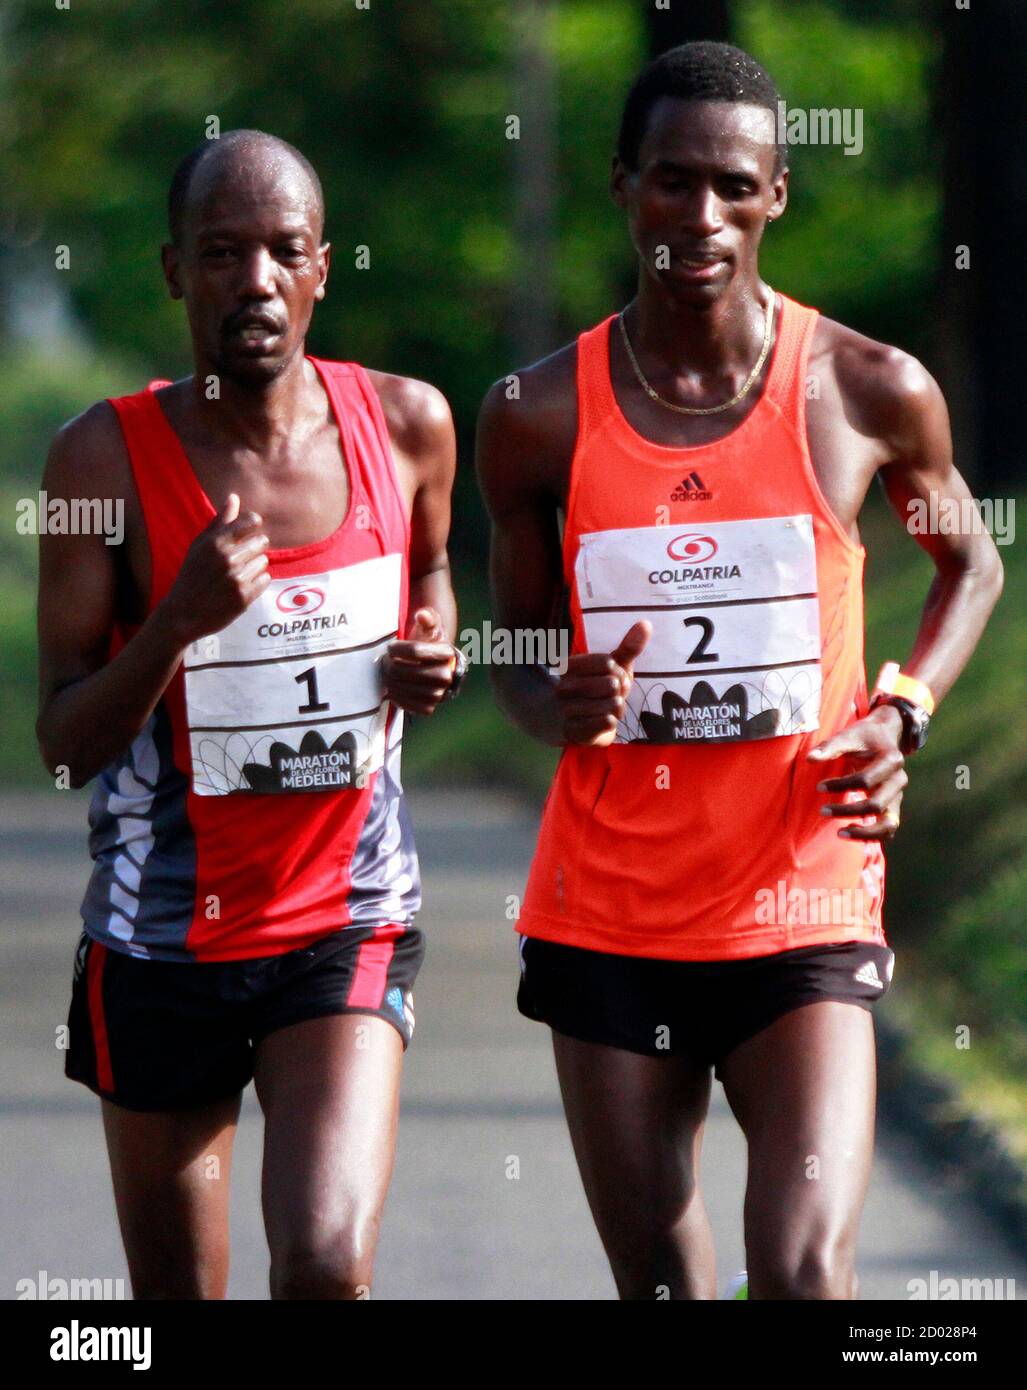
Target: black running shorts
(172,1035)
(698,1009)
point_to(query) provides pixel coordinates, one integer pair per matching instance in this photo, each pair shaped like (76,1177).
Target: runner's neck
(291,407)
(711,341)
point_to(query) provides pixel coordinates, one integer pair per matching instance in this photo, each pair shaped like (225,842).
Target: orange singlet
(698,835)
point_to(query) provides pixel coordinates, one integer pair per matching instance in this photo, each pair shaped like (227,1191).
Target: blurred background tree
(485,249)
(670,22)
(982,291)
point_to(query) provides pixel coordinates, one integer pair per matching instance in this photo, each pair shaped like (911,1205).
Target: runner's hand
(224,570)
(594,689)
(418,671)
(871,747)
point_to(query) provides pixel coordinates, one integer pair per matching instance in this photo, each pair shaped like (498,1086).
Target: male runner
(233,676)
(707,886)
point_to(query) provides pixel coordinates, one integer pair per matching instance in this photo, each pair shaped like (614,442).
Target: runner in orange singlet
(707,888)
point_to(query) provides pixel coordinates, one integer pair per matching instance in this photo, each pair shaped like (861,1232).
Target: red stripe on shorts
(369,978)
(94,984)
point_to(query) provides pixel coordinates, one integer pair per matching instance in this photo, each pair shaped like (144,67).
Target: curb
(928,1109)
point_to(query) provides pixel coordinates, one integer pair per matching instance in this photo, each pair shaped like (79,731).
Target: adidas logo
(691,489)
(867,975)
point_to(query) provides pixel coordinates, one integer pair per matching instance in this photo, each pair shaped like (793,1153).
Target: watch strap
(891,681)
(459,670)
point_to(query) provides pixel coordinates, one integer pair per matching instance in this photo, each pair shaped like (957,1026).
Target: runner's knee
(817,1272)
(641,1240)
(643,1215)
(338,1269)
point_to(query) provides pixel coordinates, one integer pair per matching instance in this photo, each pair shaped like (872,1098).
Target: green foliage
(954,841)
(402,110)
(599,45)
(957,872)
(19,761)
(860,235)
(997,975)
(41,391)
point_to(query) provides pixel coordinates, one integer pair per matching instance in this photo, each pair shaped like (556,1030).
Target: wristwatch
(459,672)
(912,699)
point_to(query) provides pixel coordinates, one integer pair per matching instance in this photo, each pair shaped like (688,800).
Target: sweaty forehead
(713,132)
(252,181)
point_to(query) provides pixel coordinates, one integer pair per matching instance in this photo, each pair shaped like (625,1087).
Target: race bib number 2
(288,696)
(735,647)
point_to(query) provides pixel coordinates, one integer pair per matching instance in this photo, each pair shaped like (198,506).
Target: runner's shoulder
(888,392)
(529,419)
(417,414)
(89,457)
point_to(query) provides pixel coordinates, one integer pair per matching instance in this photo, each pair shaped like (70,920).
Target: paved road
(479,1091)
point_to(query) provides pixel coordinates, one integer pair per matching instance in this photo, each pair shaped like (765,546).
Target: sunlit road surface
(485,1201)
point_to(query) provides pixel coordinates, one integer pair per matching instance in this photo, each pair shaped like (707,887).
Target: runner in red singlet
(706,893)
(234,676)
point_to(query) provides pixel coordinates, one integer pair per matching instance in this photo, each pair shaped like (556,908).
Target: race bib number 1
(288,697)
(735,648)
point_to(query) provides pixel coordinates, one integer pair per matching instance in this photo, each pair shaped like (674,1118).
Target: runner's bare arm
(418,668)
(524,451)
(968,578)
(896,402)
(90,709)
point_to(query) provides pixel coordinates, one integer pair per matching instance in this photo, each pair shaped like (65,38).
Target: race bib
(288,697)
(735,648)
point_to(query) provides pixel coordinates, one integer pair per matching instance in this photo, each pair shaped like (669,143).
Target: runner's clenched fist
(224,570)
(419,669)
(593,691)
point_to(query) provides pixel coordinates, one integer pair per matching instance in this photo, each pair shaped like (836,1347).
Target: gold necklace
(710,409)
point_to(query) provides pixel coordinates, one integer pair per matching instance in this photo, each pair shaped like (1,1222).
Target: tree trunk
(679,21)
(982,312)
(533,307)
